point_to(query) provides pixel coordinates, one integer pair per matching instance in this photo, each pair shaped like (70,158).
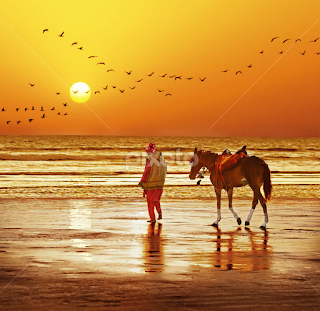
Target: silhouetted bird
(65,104)
(30,120)
(121,91)
(274,38)
(25,109)
(74,43)
(58,93)
(178,77)
(53,108)
(92,56)
(114,86)
(17,109)
(149,75)
(41,109)
(172,76)
(96,92)
(250,66)
(65,114)
(101,63)
(75,92)
(31,84)
(110,70)
(281,52)
(128,72)
(18,122)
(225,70)
(297,40)
(132,88)
(238,72)
(61,35)
(44,30)
(32,108)
(168,94)
(43,116)
(163,75)
(318,53)
(8,122)
(3,109)
(105,88)
(139,80)
(160,91)
(189,78)
(285,40)
(303,53)
(89,91)
(315,40)
(59,114)
(202,79)
(261,52)
(80,48)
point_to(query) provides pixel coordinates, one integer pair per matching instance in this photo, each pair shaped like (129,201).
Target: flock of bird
(129,73)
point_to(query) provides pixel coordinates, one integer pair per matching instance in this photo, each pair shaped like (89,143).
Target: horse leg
(254,204)
(262,201)
(238,219)
(218,194)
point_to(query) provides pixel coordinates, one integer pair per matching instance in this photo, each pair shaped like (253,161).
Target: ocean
(110,167)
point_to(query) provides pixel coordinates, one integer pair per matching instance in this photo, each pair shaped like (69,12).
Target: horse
(250,170)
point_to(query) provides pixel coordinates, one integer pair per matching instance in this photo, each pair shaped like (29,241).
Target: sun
(80,92)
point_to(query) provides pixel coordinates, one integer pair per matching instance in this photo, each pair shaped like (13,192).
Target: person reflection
(241,250)
(153,248)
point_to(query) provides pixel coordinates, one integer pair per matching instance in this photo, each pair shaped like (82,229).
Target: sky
(179,50)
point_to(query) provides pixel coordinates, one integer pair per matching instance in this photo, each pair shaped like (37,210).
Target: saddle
(226,161)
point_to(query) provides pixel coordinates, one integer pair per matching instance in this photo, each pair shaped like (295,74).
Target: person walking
(152,181)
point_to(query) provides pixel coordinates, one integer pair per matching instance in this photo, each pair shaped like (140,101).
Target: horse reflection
(153,249)
(238,250)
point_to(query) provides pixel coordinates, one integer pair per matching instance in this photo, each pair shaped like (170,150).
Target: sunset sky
(277,96)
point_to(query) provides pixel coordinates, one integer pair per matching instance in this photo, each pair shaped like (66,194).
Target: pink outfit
(153,196)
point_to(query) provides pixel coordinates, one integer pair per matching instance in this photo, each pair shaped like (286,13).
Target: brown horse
(250,171)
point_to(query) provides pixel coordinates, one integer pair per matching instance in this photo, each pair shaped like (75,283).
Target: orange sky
(278,96)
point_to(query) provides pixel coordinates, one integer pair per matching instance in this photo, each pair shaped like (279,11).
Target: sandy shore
(103,255)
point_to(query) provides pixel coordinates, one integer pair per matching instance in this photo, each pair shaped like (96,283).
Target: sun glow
(80,92)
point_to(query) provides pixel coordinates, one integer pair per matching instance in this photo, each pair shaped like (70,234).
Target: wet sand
(95,254)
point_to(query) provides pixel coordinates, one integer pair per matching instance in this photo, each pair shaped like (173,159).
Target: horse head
(196,163)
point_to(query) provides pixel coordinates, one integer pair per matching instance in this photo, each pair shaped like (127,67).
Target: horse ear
(195,149)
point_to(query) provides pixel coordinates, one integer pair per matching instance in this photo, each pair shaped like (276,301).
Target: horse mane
(208,156)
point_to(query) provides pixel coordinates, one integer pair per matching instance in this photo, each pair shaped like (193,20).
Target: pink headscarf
(151,148)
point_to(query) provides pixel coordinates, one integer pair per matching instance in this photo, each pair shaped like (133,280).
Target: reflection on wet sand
(238,250)
(153,249)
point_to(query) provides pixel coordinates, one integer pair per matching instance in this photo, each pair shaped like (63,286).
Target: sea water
(110,167)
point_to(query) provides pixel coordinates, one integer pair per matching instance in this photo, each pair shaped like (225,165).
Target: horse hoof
(239,221)
(247,223)
(215,225)
(263,227)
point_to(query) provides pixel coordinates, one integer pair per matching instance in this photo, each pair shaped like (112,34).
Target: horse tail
(267,186)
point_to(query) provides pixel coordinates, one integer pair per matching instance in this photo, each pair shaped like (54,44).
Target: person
(153,179)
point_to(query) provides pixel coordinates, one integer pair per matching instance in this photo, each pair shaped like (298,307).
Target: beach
(99,254)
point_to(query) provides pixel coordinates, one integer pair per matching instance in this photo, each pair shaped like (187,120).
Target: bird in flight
(92,56)
(168,94)
(318,53)
(44,30)
(286,40)
(80,48)
(43,116)
(53,108)
(238,72)
(281,52)
(105,88)
(18,122)
(3,109)
(139,80)
(65,114)
(121,90)
(132,88)
(32,108)
(202,79)
(274,38)
(163,75)
(58,93)
(315,40)
(25,109)
(59,114)
(17,109)
(128,72)
(30,120)
(303,53)
(160,91)
(87,91)
(61,35)
(172,76)
(149,75)
(225,70)
(41,109)
(297,40)
(250,66)
(261,52)
(96,92)
(31,84)
(8,122)
(114,86)
(177,77)
(74,43)
(65,104)
(75,92)
(110,70)
(101,63)
(189,78)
